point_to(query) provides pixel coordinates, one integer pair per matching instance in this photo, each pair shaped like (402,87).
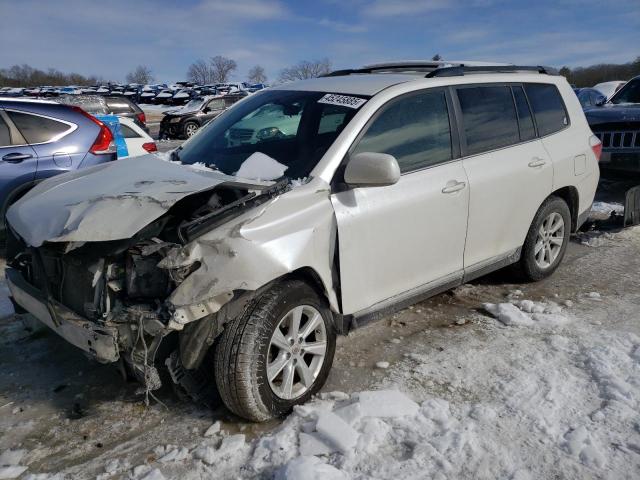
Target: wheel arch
(572,198)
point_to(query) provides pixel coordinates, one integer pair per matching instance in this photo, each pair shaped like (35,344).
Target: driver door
(398,241)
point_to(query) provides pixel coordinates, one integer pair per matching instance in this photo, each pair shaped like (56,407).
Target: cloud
(385,8)
(342,27)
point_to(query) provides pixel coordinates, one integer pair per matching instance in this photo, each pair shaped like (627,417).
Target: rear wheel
(547,240)
(190,129)
(277,354)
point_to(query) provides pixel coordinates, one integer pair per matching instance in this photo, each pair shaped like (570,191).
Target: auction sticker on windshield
(342,100)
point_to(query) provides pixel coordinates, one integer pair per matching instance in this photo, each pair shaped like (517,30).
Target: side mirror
(601,100)
(368,169)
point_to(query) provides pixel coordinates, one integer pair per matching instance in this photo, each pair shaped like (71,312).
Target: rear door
(510,173)
(400,240)
(18,160)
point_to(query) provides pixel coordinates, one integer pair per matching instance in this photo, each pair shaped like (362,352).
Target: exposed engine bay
(118,290)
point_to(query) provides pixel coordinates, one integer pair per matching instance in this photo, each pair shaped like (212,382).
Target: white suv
(240,261)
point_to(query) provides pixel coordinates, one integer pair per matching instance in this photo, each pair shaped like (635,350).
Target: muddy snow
(491,380)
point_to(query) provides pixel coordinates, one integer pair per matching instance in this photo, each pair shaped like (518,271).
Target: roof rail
(460,70)
(442,68)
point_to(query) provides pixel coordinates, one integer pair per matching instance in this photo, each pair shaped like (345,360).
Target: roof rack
(460,70)
(442,68)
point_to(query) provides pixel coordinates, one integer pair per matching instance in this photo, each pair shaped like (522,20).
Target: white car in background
(138,141)
(609,88)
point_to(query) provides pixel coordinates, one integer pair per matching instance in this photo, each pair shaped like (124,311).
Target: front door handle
(537,162)
(453,187)
(16,157)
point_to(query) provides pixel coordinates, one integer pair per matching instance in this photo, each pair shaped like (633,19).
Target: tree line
(220,69)
(603,72)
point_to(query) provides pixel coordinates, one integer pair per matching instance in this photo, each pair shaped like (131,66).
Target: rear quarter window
(5,138)
(36,129)
(548,108)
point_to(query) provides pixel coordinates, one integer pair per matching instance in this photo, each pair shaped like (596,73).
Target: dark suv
(40,139)
(617,124)
(185,122)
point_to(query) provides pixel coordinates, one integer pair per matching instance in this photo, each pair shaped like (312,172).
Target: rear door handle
(537,162)
(453,187)
(16,157)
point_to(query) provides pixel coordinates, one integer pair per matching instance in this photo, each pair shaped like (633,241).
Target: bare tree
(436,57)
(221,68)
(142,74)
(306,69)
(200,72)
(257,75)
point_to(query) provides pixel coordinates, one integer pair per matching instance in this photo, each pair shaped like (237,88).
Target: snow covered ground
(492,380)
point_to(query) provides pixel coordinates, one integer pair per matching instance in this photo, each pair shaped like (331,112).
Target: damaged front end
(113,298)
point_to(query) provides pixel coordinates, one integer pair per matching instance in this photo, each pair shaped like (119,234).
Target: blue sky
(110,37)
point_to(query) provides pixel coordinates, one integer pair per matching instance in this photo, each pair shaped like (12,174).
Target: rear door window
(489,118)
(548,108)
(525,120)
(414,129)
(5,137)
(37,129)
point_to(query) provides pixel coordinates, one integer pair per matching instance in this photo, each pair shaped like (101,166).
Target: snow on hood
(111,201)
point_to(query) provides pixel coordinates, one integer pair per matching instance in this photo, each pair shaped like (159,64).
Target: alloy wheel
(297,351)
(191,130)
(549,240)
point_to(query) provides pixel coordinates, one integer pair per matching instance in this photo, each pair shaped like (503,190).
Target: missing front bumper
(98,341)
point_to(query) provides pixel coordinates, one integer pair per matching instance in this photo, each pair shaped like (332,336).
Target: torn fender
(293,231)
(111,201)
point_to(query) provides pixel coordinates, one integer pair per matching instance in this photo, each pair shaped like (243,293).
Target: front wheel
(547,240)
(277,354)
(190,129)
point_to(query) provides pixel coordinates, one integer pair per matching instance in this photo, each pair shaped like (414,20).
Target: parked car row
(179,93)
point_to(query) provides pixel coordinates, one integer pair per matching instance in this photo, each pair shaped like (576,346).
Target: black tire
(528,267)
(189,125)
(242,352)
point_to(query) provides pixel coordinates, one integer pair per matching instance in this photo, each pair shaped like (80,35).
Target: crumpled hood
(613,113)
(111,201)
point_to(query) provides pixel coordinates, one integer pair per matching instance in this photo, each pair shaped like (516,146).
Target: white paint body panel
(505,195)
(396,238)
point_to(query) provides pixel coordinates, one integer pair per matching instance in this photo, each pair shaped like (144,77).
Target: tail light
(596,146)
(150,147)
(142,117)
(104,142)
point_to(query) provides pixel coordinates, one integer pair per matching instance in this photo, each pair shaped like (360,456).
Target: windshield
(292,128)
(630,93)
